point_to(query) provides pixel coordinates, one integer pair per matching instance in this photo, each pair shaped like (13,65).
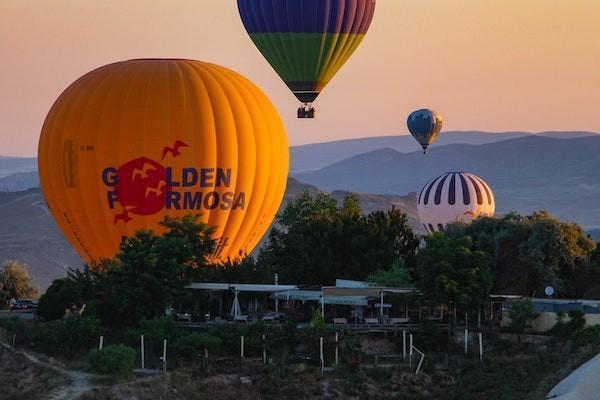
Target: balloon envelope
(425,125)
(306,41)
(132,142)
(454,197)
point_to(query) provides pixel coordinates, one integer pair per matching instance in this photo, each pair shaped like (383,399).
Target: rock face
(29,234)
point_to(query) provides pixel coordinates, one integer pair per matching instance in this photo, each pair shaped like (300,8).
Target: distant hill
(11,165)
(595,234)
(526,174)
(319,155)
(28,232)
(19,181)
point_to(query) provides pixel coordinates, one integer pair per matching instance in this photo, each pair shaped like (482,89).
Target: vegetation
(15,282)
(316,242)
(112,360)
(528,253)
(521,316)
(450,271)
(67,337)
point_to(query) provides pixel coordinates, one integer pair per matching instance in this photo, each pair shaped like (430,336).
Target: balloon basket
(306,111)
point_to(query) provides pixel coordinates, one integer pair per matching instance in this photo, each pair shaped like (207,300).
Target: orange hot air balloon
(132,142)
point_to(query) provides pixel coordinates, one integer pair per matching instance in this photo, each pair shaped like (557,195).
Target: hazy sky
(491,65)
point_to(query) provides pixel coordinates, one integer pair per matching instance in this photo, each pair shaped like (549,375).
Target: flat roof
(242,287)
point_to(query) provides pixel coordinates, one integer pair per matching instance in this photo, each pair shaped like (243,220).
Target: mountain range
(526,174)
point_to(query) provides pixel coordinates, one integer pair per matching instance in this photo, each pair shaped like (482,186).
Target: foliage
(588,336)
(155,331)
(117,360)
(318,326)
(521,316)
(569,328)
(67,337)
(75,289)
(450,271)
(149,273)
(528,253)
(397,276)
(190,346)
(15,282)
(317,242)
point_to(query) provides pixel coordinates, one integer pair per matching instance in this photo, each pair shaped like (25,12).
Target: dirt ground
(21,379)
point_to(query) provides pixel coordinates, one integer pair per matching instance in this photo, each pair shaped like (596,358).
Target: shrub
(521,315)
(575,324)
(68,337)
(16,326)
(116,360)
(589,335)
(190,346)
(155,330)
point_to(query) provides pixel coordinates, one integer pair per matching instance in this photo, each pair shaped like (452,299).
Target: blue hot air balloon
(424,125)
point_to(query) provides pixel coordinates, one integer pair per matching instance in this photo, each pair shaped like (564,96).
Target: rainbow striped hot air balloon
(306,41)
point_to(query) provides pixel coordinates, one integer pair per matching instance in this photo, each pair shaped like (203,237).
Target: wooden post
(410,350)
(264,350)
(14,340)
(337,354)
(480,347)
(321,355)
(101,344)
(142,351)
(404,344)
(164,355)
(241,347)
(466,341)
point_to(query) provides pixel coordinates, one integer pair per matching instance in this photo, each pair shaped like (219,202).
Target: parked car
(184,316)
(273,316)
(24,304)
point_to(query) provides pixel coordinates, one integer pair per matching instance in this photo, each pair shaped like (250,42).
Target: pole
(404,344)
(101,344)
(264,350)
(337,355)
(142,351)
(164,355)
(466,341)
(410,350)
(321,354)
(242,347)
(14,340)
(381,306)
(480,347)
(276,293)
(322,304)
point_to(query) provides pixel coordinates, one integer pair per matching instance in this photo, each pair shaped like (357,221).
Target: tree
(77,288)
(450,271)
(15,282)
(315,242)
(521,315)
(397,276)
(151,271)
(528,253)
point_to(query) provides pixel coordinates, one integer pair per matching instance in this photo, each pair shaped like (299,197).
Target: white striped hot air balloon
(454,197)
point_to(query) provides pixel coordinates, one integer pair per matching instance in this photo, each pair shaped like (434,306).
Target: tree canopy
(528,253)
(15,282)
(316,241)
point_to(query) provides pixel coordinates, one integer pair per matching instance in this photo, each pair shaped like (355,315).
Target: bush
(190,346)
(68,337)
(116,360)
(589,335)
(570,328)
(155,330)
(16,326)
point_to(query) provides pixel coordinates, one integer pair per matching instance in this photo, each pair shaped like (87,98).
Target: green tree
(15,282)
(77,288)
(450,271)
(315,242)
(397,276)
(528,253)
(521,316)
(151,271)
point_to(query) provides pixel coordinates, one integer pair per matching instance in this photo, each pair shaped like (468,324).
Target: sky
(492,65)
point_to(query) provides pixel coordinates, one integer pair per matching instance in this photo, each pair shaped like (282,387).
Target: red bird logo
(124,216)
(173,150)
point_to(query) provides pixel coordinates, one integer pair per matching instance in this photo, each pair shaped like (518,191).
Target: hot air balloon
(424,125)
(132,142)
(454,197)
(306,41)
